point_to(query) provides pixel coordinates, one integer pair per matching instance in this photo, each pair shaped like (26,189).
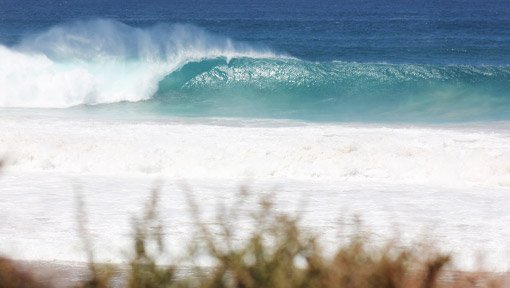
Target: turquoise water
(335,91)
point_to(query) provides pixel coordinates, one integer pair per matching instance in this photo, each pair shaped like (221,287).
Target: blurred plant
(13,276)
(250,247)
(100,275)
(148,233)
(271,256)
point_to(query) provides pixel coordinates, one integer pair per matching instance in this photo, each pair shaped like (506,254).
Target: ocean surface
(398,111)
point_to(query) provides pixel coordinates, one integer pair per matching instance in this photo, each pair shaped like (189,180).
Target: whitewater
(110,109)
(448,184)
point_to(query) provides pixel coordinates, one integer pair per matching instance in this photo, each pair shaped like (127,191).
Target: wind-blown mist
(103,61)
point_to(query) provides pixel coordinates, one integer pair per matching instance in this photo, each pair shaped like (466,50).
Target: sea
(395,111)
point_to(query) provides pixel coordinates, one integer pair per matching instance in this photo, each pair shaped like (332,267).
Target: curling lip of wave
(270,72)
(104,61)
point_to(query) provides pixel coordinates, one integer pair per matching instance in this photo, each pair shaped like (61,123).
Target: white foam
(419,155)
(34,80)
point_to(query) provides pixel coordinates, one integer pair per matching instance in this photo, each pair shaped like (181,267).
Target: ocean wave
(188,71)
(292,88)
(104,61)
(295,73)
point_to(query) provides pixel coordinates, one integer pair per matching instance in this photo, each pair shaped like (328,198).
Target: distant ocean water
(336,61)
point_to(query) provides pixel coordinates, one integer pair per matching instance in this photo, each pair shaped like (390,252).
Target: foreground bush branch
(277,252)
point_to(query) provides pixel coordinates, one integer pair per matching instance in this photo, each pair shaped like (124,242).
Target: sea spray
(103,61)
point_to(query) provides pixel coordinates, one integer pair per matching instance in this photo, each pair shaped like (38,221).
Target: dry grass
(279,253)
(276,253)
(12,275)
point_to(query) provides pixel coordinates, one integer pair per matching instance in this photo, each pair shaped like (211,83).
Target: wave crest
(104,61)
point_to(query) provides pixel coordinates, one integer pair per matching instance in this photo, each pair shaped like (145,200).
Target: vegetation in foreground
(278,253)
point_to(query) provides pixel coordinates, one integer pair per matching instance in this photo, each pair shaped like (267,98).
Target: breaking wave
(103,61)
(185,70)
